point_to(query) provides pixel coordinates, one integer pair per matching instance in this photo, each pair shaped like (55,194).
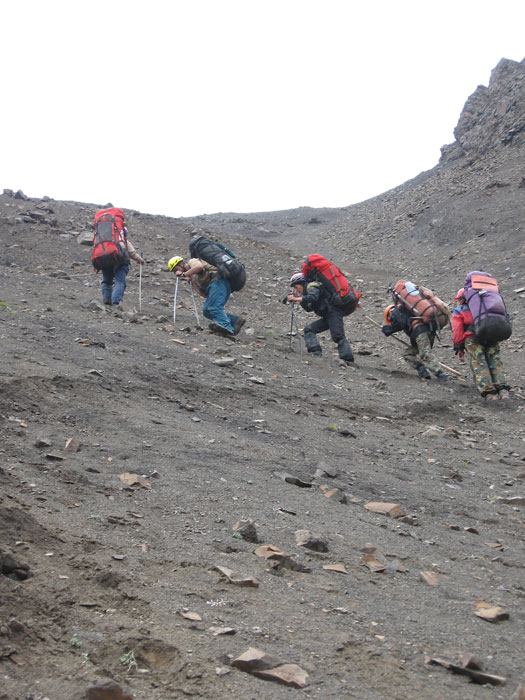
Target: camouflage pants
(422,354)
(486,366)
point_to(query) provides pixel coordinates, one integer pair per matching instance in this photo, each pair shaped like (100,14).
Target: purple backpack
(491,321)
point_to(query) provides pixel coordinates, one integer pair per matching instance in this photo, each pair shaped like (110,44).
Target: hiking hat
(298,278)
(173,262)
(461,293)
(387,312)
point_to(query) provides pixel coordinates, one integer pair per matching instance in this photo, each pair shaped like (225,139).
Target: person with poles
(112,253)
(420,314)
(215,290)
(313,297)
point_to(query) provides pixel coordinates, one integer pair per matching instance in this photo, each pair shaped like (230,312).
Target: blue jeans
(218,294)
(116,277)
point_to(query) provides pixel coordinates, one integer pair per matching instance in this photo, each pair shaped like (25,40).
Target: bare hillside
(132,447)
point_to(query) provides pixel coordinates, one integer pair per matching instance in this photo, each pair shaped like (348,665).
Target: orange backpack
(424,306)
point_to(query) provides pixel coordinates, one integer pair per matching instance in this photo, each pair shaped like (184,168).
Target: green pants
(422,355)
(486,366)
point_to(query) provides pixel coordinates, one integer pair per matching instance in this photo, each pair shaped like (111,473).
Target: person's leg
(120,284)
(310,335)
(477,360)
(337,332)
(218,294)
(410,356)
(107,285)
(424,350)
(495,366)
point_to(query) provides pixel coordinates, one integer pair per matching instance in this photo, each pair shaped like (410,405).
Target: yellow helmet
(173,262)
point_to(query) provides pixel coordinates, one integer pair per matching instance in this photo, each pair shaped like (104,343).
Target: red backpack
(341,293)
(109,242)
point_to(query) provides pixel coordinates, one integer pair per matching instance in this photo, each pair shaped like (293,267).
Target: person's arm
(397,322)
(133,254)
(194,269)
(458,334)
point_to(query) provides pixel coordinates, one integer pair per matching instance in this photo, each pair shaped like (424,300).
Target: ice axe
(403,342)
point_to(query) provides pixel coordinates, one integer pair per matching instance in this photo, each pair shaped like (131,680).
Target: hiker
(416,318)
(483,358)
(214,289)
(112,252)
(312,296)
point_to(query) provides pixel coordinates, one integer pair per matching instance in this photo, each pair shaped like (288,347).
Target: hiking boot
(107,302)
(423,372)
(220,330)
(491,397)
(239,323)
(443,377)
(345,351)
(504,394)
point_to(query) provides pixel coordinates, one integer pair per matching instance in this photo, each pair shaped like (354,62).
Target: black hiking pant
(332,321)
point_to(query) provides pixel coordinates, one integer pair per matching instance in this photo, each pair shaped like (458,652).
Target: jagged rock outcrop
(493,116)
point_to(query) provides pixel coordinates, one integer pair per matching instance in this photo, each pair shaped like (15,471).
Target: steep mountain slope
(105,579)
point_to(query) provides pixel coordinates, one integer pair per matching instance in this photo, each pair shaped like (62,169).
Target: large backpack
(425,307)
(491,321)
(341,294)
(216,254)
(109,242)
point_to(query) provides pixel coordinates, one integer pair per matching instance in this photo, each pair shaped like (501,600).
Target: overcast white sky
(186,107)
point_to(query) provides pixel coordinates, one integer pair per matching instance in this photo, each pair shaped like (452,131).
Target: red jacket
(462,326)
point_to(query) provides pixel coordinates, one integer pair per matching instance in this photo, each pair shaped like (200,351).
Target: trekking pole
(296,325)
(175,299)
(291,323)
(403,342)
(194,304)
(140,287)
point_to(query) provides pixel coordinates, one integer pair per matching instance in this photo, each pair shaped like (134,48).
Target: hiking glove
(387,329)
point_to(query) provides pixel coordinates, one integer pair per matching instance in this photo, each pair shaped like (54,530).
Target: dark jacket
(401,320)
(315,299)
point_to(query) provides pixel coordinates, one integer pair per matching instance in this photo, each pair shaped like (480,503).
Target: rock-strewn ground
(96,572)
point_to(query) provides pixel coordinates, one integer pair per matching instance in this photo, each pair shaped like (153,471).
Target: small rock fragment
(232,578)
(339,568)
(131,479)
(491,613)
(72,445)
(429,577)
(225,361)
(271,668)
(221,631)
(336,495)
(304,538)
(247,530)
(393,510)
(188,615)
